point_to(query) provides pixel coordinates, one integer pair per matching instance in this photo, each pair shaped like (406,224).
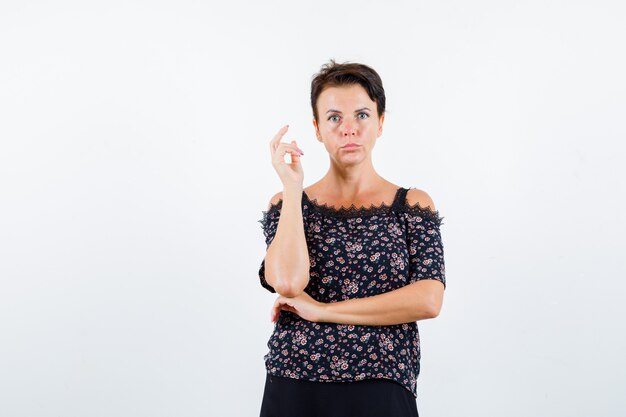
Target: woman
(356,259)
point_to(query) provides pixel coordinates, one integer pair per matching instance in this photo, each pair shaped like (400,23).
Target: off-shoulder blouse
(356,252)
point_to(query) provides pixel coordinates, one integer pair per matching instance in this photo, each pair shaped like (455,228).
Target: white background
(134,165)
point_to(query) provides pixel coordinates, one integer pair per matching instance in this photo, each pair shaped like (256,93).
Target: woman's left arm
(417,301)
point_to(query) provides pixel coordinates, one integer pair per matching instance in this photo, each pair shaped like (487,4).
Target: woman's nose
(349,129)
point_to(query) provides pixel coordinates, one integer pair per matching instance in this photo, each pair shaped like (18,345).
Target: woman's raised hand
(291,174)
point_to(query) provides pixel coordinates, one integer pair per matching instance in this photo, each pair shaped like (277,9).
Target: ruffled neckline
(399,203)
(353,210)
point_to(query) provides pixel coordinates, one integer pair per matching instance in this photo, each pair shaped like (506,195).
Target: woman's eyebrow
(357,110)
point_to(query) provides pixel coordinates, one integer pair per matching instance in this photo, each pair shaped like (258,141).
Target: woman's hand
(303,305)
(291,174)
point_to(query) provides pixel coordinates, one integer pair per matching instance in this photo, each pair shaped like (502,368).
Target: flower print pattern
(356,252)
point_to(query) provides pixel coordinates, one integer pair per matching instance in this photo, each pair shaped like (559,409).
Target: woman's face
(347,115)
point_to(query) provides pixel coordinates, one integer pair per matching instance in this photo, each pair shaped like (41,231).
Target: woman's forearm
(287,258)
(403,305)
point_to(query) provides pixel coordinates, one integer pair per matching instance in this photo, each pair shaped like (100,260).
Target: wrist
(326,312)
(292,189)
(292,194)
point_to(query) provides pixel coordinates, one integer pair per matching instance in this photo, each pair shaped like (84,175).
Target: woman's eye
(335,117)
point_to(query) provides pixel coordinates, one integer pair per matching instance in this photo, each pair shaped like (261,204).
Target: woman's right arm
(287,258)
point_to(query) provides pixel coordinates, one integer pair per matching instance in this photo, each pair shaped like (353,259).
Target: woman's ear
(317,130)
(380,128)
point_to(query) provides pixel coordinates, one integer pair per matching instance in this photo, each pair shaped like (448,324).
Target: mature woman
(356,261)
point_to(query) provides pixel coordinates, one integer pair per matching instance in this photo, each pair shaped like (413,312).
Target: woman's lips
(351,146)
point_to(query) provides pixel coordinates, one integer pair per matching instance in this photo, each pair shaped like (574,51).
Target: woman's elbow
(291,288)
(282,277)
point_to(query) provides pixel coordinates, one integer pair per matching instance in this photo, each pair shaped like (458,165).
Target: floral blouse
(356,252)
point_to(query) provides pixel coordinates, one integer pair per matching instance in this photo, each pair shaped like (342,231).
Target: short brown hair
(334,75)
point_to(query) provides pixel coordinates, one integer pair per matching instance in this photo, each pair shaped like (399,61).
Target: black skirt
(289,397)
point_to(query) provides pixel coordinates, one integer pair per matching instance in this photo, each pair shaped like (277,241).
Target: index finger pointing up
(276,139)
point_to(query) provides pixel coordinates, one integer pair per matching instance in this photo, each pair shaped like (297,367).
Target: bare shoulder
(415,196)
(275,199)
